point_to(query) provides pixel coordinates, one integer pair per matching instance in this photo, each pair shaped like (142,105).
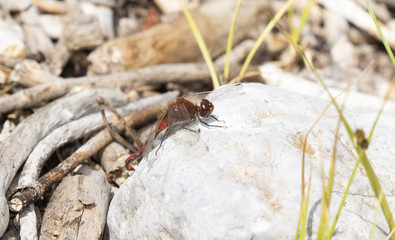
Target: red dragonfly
(182,110)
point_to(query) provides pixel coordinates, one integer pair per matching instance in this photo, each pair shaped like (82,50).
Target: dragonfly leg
(216,119)
(209,125)
(185,128)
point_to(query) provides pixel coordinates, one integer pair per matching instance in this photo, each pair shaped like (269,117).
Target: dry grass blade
(201,43)
(374,181)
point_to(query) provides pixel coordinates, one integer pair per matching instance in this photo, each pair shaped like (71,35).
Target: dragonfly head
(205,108)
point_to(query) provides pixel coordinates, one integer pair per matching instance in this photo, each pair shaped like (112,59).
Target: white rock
(244,182)
(274,76)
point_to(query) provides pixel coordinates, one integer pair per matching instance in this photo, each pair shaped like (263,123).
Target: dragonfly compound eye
(206,108)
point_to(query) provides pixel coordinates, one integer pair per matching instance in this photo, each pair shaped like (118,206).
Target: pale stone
(244,181)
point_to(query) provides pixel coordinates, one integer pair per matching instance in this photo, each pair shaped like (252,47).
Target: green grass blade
(304,17)
(376,214)
(268,28)
(384,205)
(324,229)
(373,180)
(390,54)
(230,39)
(302,222)
(343,201)
(201,43)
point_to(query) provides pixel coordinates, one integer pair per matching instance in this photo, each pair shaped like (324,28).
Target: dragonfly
(182,111)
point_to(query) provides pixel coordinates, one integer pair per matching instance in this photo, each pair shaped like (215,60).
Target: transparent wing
(212,95)
(178,112)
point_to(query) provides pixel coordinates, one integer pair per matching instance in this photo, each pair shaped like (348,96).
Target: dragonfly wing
(212,95)
(197,97)
(177,112)
(187,134)
(153,134)
(224,91)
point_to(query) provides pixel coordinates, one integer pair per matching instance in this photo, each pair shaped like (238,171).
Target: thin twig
(22,197)
(159,74)
(114,133)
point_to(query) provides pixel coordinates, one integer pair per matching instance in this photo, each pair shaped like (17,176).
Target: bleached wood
(179,73)
(29,73)
(15,149)
(69,132)
(156,45)
(150,75)
(36,38)
(113,161)
(360,17)
(78,207)
(104,15)
(80,32)
(54,7)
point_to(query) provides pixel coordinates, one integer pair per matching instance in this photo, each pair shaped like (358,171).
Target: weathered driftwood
(10,61)
(104,13)
(180,73)
(37,40)
(28,224)
(78,207)
(360,17)
(26,195)
(157,46)
(37,126)
(113,161)
(29,73)
(54,7)
(80,32)
(70,132)
(155,74)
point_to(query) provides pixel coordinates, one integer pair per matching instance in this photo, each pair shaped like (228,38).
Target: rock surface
(244,181)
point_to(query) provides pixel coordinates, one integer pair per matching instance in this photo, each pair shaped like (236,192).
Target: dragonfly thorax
(205,108)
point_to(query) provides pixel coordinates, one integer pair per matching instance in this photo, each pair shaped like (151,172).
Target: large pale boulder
(244,181)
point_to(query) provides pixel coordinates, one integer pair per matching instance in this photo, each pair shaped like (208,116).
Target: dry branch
(29,73)
(155,74)
(66,133)
(78,207)
(54,7)
(10,61)
(181,73)
(157,46)
(29,194)
(113,161)
(360,17)
(80,32)
(15,149)
(36,38)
